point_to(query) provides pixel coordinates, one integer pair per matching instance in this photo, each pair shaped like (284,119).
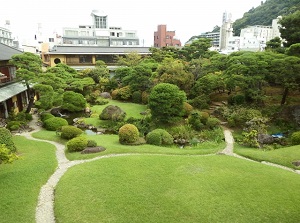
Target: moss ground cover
(145,188)
(283,156)
(20,182)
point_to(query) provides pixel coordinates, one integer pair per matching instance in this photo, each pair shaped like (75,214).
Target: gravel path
(45,206)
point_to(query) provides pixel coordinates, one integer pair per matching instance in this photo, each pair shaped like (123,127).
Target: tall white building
(99,33)
(226,31)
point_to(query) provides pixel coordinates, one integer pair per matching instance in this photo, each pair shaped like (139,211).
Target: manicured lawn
(112,145)
(20,182)
(283,156)
(48,135)
(151,188)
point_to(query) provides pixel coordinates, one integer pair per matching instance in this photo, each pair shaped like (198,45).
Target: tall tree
(29,66)
(197,49)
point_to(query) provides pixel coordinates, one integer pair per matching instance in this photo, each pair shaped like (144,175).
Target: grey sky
(187,18)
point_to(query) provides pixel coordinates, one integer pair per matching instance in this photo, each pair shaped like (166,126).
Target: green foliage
(212,122)
(70,132)
(294,50)
(180,132)
(290,28)
(137,97)
(250,139)
(187,109)
(124,93)
(195,121)
(200,102)
(77,144)
(13,125)
(238,99)
(6,156)
(46,115)
(55,123)
(295,138)
(258,124)
(166,102)
(23,117)
(73,101)
(91,143)
(46,94)
(211,135)
(265,13)
(128,133)
(159,137)
(6,139)
(198,48)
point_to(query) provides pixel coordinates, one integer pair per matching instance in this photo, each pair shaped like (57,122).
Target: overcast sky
(187,18)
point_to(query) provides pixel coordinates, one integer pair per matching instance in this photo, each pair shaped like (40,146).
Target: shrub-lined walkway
(45,206)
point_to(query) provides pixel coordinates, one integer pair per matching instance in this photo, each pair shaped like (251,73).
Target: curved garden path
(45,205)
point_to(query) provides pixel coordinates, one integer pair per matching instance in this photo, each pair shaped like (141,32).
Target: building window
(85,59)
(112,34)
(100,22)
(51,40)
(57,61)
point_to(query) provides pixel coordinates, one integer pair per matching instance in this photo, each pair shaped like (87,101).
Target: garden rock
(112,112)
(105,95)
(265,139)
(296,163)
(93,150)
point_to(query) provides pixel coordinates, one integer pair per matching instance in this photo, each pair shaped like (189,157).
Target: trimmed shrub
(238,99)
(200,102)
(46,115)
(204,117)
(91,143)
(114,94)
(159,137)
(295,138)
(124,93)
(55,123)
(137,97)
(6,138)
(77,144)
(212,123)
(128,133)
(70,132)
(13,125)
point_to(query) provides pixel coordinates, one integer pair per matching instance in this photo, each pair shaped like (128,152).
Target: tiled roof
(8,91)
(6,52)
(97,50)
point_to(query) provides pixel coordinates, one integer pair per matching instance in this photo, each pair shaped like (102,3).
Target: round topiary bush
(70,132)
(55,123)
(212,122)
(187,109)
(159,137)
(91,143)
(128,133)
(295,138)
(6,138)
(46,115)
(136,97)
(77,144)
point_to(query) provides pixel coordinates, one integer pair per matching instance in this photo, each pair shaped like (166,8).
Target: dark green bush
(195,121)
(70,132)
(77,144)
(128,133)
(23,117)
(200,102)
(238,99)
(295,138)
(6,138)
(159,137)
(46,115)
(137,97)
(91,143)
(55,123)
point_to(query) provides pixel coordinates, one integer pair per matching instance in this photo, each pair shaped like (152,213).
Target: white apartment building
(6,37)
(99,33)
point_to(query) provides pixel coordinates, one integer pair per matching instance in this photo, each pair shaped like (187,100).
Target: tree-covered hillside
(263,14)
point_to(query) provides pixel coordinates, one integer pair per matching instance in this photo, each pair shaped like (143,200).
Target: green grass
(112,145)
(145,188)
(48,135)
(20,182)
(283,156)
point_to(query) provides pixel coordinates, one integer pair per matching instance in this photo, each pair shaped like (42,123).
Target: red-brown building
(163,38)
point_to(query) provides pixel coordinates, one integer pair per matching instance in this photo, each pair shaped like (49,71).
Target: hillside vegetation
(265,13)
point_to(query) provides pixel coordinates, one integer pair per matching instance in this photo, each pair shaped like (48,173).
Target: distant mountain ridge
(265,13)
